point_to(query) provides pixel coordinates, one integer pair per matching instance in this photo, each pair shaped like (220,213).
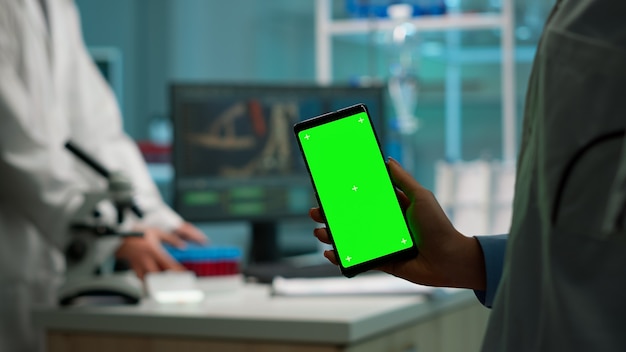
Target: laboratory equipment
(94,240)
(378,8)
(403,82)
(208,260)
(235,157)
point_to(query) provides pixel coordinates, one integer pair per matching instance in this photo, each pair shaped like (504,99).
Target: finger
(191,233)
(138,270)
(171,239)
(317,215)
(331,256)
(144,266)
(405,182)
(322,235)
(404,200)
(166,262)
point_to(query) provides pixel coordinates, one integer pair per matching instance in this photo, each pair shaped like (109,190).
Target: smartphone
(354,190)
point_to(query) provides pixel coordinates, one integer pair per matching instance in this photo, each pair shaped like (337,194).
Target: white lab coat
(564,280)
(50,92)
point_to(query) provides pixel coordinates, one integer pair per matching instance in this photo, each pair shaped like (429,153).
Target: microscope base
(118,288)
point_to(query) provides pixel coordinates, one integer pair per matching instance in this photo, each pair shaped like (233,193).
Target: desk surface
(253,313)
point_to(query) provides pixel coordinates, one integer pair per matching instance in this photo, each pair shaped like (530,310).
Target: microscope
(90,277)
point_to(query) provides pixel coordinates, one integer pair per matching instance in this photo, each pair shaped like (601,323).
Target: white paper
(177,287)
(369,284)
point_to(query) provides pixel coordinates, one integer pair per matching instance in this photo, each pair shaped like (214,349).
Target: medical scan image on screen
(249,137)
(235,156)
(228,142)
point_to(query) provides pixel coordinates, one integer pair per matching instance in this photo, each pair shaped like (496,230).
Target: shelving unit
(327,28)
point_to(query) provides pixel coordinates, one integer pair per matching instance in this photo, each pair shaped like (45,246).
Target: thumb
(402,179)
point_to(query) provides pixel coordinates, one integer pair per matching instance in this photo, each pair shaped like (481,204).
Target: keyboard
(266,272)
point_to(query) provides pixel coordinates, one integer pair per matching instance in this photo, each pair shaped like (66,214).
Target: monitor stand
(266,262)
(264,247)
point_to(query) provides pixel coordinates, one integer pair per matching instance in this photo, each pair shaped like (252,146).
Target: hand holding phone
(354,189)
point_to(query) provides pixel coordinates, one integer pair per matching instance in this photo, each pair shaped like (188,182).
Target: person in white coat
(51,92)
(557,281)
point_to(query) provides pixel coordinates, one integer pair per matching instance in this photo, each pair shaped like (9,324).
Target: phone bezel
(334,116)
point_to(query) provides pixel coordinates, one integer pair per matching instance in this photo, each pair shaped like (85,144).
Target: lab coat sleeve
(493,251)
(615,219)
(156,212)
(97,126)
(36,178)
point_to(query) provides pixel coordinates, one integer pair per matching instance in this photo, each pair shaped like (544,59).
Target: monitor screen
(235,155)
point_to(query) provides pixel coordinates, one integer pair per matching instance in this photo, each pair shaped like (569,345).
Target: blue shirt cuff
(493,251)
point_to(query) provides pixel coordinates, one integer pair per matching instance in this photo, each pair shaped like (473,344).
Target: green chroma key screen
(355,190)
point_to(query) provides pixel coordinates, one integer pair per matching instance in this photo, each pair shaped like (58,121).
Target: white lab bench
(251,319)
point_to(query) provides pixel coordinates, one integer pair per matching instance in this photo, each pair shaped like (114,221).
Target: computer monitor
(235,156)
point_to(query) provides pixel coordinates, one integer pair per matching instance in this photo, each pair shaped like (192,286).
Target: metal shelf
(472,21)
(327,28)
